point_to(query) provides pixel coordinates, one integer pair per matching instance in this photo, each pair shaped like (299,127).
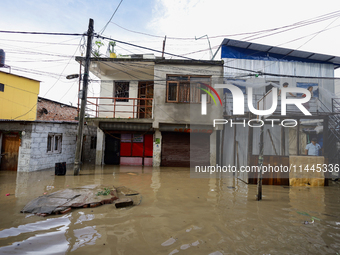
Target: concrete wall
(100,147)
(33,153)
(181,112)
(157,149)
(39,157)
(130,72)
(89,154)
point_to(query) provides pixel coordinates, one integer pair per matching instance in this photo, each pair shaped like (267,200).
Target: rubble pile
(63,201)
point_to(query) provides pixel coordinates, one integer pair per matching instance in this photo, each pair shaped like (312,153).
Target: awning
(125,126)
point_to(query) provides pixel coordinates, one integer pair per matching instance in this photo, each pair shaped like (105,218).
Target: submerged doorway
(112,149)
(10,151)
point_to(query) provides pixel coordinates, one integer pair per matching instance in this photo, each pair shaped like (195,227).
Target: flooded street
(177,215)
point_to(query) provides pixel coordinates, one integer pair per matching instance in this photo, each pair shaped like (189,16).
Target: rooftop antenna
(211,54)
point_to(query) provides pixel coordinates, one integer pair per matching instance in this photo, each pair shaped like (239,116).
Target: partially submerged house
(35,132)
(149,111)
(36,145)
(263,68)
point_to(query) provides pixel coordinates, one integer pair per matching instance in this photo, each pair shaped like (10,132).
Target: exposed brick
(55,111)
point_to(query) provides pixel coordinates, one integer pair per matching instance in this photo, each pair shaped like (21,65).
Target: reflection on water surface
(178,215)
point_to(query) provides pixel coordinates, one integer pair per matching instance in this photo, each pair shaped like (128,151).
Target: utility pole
(163,47)
(260,164)
(77,160)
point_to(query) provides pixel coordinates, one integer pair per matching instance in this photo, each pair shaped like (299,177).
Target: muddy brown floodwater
(178,215)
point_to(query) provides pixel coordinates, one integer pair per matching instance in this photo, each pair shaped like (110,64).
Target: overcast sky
(50,58)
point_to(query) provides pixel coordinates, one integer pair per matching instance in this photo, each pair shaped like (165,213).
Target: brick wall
(50,110)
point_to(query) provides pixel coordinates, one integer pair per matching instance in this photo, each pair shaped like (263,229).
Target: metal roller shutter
(176,149)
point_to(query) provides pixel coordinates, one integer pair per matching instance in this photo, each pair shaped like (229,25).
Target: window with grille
(186,89)
(121,89)
(54,143)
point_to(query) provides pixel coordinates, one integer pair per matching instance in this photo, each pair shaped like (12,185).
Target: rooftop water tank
(2,58)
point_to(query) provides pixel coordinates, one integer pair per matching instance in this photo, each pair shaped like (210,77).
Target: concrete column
(0,145)
(213,148)
(24,156)
(100,146)
(157,148)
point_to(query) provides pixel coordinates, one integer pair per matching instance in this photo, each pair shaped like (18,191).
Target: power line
(41,33)
(23,41)
(102,31)
(302,37)
(318,33)
(65,67)
(315,34)
(39,60)
(37,53)
(251,73)
(255,33)
(34,71)
(297,25)
(175,55)
(68,90)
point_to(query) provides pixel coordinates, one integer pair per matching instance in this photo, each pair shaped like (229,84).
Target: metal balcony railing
(118,107)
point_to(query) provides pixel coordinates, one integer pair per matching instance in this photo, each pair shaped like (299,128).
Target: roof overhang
(248,50)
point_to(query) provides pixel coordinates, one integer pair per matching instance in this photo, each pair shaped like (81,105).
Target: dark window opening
(172,91)
(2,87)
(93,142)
(122,90)
(269,87)
(54,142)
(187,89)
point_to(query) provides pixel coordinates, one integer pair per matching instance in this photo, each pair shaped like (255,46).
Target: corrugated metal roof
(261,48)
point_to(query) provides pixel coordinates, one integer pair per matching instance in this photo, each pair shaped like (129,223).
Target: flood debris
(309,222)
(63,201)
(127,191)
(123,202)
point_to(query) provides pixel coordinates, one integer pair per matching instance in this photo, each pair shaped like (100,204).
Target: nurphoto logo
(238,100)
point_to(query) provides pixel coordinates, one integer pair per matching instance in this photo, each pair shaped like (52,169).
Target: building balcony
(114,107)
